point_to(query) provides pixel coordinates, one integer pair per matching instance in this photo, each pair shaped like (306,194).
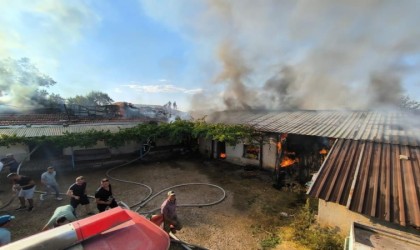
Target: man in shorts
(25,187)
(77,193)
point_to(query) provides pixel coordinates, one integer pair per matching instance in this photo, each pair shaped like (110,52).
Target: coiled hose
(150,197)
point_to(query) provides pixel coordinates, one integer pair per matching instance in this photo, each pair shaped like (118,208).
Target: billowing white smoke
(19,84)
(325,54)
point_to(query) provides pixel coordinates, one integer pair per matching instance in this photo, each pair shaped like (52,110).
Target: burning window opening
(299,157)
(221,150)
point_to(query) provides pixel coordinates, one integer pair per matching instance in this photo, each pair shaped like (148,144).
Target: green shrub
(309,234)
(270,242)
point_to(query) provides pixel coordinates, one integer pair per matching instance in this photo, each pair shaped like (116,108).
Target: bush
(270,242)
(309,234)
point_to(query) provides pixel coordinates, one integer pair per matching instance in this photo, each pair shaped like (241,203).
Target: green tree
(55,99)
(94,98)
(99,98)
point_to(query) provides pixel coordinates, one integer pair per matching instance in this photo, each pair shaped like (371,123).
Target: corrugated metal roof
(371,178)
(387,127)
(51,130)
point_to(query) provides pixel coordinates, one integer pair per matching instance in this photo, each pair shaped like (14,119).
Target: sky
(217,54)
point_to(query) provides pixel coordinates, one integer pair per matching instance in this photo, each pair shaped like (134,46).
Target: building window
(251,152)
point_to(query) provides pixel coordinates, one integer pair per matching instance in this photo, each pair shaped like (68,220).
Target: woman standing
(103,196)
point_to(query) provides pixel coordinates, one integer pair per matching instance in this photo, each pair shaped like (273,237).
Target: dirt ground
(249,214)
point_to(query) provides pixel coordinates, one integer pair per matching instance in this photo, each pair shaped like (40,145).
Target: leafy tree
(78,100)
(55,99)
(94,98)
(407,103)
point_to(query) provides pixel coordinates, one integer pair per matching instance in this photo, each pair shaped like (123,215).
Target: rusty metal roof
(376,179)
(52,130)
(379,126)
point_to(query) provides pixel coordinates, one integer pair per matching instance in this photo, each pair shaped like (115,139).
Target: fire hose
(149,196)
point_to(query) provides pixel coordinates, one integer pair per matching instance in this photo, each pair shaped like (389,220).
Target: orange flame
(288,161)
(323,151)
(222,155)
(278,147)
(283,137)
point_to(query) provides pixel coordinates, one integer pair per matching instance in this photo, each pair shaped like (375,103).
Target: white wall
(234,153)
(129,147)
(269,155)
(338,216)
(335,215)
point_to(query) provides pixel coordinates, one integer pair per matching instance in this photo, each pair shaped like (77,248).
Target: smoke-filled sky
(219,54)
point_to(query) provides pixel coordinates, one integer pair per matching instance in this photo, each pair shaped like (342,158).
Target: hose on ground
(150,197)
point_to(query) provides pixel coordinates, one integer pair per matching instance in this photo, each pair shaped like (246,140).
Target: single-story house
(371,172)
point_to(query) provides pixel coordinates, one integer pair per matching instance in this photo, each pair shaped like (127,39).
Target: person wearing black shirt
(103,196)
(25,187)
(77,193)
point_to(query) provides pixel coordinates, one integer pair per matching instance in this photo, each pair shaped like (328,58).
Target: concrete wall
(204,147)
(269,155)
(338,216)
(234,154)
(20,151)
(128,148)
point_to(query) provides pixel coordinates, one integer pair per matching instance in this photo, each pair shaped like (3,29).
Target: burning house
(73,114)
(362,166)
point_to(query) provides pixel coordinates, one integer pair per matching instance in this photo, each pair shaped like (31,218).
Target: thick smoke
(384,89)
(280,54)
(20,83)
(279,89)
(236,95)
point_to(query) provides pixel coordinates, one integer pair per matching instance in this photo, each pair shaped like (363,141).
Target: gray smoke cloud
(322,54)
(57,25)
(20,81)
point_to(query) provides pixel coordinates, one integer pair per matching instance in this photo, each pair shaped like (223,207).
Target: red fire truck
(114,229)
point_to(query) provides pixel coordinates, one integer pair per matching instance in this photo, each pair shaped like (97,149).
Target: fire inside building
(299,158)
(296,158)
